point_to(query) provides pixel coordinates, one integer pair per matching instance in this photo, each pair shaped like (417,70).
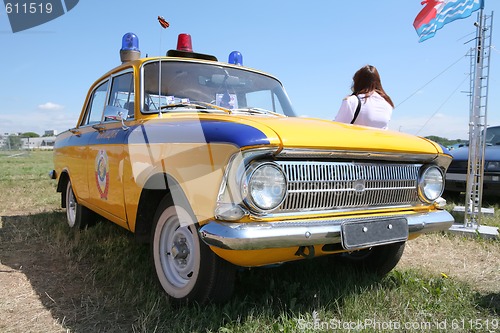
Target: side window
(121,97)
(96,105)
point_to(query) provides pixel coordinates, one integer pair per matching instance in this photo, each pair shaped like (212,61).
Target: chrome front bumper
(281,234)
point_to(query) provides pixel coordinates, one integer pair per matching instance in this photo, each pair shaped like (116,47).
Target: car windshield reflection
(211,88)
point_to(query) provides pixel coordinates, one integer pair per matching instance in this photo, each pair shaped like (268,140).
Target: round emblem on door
(102,174)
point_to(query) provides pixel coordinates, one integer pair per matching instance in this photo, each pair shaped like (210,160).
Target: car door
(105,159)
(79,141)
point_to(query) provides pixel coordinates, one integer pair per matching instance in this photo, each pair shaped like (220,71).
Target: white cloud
(38,122)
(440,116)
(50,106)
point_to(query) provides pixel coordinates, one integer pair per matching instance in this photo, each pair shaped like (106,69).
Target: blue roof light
(130,47)
(130,42)
(236,58)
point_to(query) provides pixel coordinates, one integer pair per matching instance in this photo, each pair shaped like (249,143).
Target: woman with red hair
(369,105)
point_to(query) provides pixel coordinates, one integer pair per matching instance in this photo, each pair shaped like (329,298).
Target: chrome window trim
(128,70)
(109,81)
(97,85)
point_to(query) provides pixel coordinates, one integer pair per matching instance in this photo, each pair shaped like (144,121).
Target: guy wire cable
(441,106)
(425,85)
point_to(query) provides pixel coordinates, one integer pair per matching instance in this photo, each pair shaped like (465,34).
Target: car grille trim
(325,186)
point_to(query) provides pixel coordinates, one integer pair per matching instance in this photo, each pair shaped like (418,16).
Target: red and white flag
(437,13)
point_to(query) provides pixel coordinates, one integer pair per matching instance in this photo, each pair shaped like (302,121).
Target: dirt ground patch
(22,308)
(43,290)
(24,265)
(474,261)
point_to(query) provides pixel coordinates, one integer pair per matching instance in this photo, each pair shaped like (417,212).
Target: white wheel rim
(71,205)
(177,252)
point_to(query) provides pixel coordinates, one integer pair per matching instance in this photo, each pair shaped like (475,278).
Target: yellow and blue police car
(207,161)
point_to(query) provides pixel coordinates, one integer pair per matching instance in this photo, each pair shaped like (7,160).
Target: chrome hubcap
(71,205)
(180,251)
(177,262)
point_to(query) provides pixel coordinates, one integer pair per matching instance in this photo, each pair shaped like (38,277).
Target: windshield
(493,136)
(211,88)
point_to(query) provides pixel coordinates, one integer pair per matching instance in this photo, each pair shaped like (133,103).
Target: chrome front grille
(320,186)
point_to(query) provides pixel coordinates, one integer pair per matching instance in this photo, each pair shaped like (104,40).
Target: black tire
(185,267)
(378,260)
(78,217)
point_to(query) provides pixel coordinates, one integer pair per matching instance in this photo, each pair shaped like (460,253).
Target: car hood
(491,153)
(310,133)
(249,131)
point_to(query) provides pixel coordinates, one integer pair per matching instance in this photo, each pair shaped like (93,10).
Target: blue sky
(313,47)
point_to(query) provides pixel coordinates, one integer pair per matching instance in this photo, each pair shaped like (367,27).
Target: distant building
(50,133)
(43,143)
(4,140)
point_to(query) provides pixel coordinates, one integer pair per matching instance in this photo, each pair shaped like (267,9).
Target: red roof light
(185,49)
(184,43)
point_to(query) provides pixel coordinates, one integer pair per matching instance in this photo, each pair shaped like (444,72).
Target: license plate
(367,233)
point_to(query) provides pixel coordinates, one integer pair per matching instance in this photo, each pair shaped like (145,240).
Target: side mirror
(120,116)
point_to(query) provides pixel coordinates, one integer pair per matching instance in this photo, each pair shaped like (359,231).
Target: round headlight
(431,183)
(264,186)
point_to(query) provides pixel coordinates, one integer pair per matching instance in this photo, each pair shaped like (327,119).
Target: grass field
(100,280)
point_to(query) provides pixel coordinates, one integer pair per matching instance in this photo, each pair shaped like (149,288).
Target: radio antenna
(164,25)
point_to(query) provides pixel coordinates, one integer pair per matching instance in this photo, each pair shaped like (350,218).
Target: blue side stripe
(202,131)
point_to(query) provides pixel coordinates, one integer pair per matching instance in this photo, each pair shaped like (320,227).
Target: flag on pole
(164,24)
(437,13)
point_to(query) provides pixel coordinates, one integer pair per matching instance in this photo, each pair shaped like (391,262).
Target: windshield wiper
(212,106)
(197,105)
(181,105)
(257,111)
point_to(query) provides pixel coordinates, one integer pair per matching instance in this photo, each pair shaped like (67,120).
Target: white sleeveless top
(375,111)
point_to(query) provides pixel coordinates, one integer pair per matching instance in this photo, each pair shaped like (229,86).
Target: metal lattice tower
(480,64)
